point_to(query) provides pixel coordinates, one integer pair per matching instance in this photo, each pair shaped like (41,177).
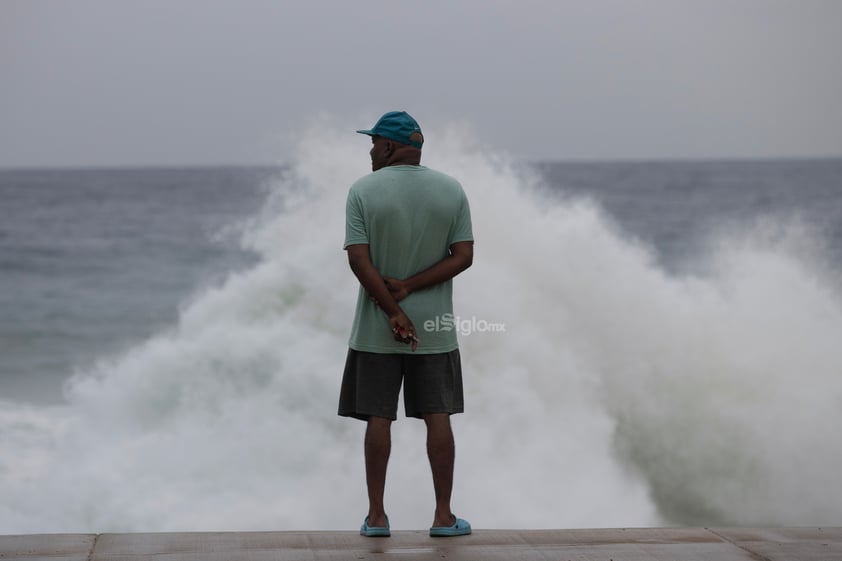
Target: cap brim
(369,133)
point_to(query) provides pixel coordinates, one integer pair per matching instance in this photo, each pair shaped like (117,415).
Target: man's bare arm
(372,281)
(461,257)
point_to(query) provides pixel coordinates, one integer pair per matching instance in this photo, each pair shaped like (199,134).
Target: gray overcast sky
(127,82)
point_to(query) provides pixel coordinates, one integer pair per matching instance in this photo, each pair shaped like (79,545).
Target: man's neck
(405,156)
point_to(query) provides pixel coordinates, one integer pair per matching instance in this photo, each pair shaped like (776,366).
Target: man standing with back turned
(407,234)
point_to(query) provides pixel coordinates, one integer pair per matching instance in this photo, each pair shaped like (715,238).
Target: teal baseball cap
(398,126)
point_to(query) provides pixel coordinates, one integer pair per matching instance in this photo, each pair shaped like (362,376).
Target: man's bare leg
(378,446)
(441,450)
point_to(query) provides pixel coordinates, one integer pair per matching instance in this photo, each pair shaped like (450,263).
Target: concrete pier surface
(633,544)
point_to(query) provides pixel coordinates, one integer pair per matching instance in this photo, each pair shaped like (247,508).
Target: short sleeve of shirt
(463,231)
(355,230)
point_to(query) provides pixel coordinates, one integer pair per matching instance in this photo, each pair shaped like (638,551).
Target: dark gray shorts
(432,383)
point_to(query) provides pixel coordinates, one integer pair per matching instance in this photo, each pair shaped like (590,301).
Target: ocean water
(666,349)
(94,261)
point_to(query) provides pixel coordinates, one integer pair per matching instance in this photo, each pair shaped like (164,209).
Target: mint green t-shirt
(409,216)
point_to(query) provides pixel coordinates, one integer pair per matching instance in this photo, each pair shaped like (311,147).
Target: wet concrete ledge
(632,544)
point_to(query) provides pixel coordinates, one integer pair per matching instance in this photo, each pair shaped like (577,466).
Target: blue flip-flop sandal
(460,528)
(375,531)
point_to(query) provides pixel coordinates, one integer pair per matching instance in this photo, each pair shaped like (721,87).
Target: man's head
(396,140)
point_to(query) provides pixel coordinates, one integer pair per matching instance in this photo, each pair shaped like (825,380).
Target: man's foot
(375,531)
(459,528)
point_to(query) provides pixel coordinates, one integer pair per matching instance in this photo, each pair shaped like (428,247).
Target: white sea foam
(617,395)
